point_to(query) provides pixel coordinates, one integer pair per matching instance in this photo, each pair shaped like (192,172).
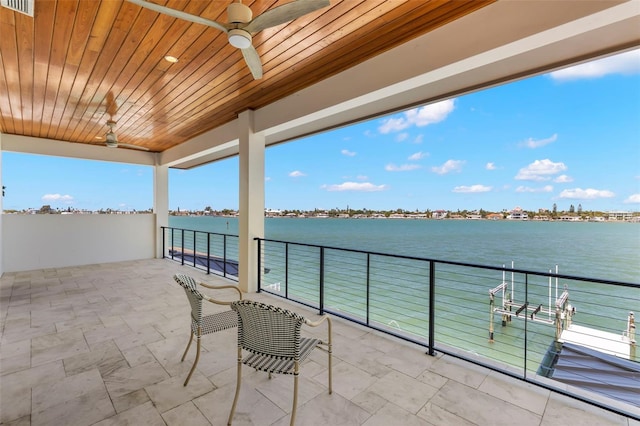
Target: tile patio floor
(101,345)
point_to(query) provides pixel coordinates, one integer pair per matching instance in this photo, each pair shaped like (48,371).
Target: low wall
(32,242)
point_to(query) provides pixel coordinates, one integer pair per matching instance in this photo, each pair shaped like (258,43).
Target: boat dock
(620,345)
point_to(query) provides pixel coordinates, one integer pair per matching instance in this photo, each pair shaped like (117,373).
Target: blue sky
(571,137)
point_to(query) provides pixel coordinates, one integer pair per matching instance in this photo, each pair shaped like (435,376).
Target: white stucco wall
(32,242)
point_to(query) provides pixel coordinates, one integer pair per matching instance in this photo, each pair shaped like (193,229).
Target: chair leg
(330,374)
(195,362)
(188,345)
(238,381)
(295,400)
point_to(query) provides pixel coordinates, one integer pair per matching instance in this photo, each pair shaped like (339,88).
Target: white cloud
(633,199)
(401,168)
(418,139)
(448,167)
(472,189)
(393,124)
(267,178)
(401,137)
(532,143)
(540,170)
(490,166)
(296,173)
(586,194)
(563,179)
(429,114)
(57,198)
(347,153)
(362,177)
(418,156)
(625,63)
(546,188)
(355,186)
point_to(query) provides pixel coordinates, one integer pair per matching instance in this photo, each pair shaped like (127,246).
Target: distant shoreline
(634,219)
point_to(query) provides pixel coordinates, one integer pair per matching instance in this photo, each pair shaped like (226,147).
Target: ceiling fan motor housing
(239,38)
(110,137)
(239,13)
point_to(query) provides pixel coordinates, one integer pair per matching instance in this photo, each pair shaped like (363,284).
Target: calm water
(608,251)
(595,250)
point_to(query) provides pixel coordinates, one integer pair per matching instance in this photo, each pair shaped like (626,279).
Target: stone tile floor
(101,345)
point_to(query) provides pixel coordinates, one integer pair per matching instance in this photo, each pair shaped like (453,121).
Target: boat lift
(509,308)
(561,316)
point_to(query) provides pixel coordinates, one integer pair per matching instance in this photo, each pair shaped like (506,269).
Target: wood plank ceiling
(59,69)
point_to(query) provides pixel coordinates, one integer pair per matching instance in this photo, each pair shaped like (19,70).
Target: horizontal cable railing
(510,320)
(213,252)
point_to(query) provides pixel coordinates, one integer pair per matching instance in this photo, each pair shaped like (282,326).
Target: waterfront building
(495,216)
(518,214)
(272,212)
(620,215)
(439,214)
(569,218)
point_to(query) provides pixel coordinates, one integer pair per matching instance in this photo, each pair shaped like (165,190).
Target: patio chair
(271,337)
(204,324)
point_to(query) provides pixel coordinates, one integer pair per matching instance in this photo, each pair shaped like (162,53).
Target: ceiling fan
(111,139)
(241,25)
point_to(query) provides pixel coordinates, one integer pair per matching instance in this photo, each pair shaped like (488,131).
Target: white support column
(160,203)
(251,220)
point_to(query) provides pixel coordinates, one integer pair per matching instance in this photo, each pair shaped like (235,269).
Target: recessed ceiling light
(171,59)
(99,137)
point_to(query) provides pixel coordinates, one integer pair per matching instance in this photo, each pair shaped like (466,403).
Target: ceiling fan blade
(252,59)
(179,14)
(112,106)
(129,146)
(285,13)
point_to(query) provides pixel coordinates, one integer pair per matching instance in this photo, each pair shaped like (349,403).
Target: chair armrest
(320,321)
(220,287)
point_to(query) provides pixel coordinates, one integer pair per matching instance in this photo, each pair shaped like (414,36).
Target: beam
(31,145)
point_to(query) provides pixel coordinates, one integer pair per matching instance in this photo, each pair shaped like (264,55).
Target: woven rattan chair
(271,338)
(204,324)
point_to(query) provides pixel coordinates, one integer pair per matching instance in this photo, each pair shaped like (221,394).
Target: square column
(160,203)
(251,200)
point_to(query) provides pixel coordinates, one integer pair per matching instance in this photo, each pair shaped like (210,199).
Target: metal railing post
(526,322)
(286,270)
(182,247)
(259,264)
(195,252)
(432,307)
(164,246)
(208,253)
(224,256)
(173,245)
(321,280)
(368,302)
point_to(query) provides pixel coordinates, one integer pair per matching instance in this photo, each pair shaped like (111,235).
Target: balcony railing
(213,252)
(506,319)
(503,318)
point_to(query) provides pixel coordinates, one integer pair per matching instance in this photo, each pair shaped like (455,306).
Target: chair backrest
(268,330)
(195,297)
